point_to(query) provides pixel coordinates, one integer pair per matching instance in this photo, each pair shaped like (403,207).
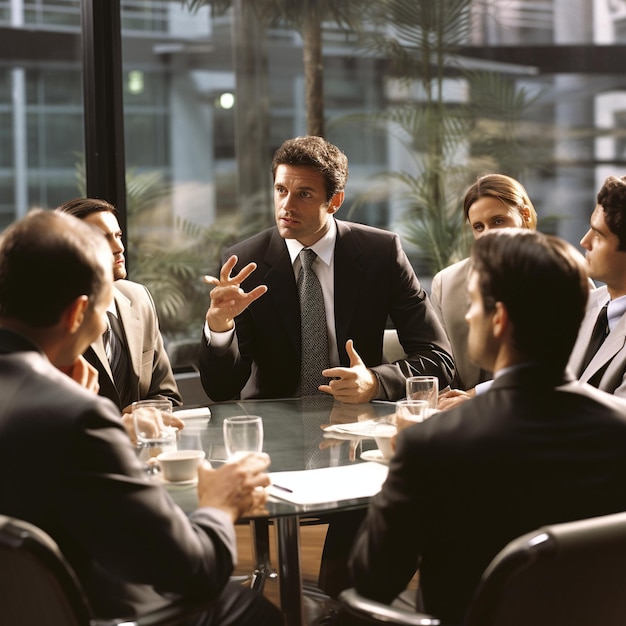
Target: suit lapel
(597,299)
(611,346)
(96,356)
(350,273)
(282,289)
(131,324)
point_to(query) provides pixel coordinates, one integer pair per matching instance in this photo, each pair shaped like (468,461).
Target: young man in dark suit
(251,347)
(538,448)
(256,329)
(70,467)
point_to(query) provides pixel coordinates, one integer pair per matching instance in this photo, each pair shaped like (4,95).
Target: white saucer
(178,483)
(374,455)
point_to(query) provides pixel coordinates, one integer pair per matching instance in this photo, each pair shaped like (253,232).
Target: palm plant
(447,143)
(305,16)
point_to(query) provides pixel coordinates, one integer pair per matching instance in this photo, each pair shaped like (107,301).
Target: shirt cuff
(217,340)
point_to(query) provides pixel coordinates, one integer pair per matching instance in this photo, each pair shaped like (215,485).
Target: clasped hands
(353,384)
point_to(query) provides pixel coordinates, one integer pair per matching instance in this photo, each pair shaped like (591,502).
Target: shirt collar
(324,248)
(615,310)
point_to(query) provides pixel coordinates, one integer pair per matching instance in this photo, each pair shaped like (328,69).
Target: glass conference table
(322,472)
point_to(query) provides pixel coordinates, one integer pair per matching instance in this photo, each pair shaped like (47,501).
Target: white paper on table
(200,412)
(328,484)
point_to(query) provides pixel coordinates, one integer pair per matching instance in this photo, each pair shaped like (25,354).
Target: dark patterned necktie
(314,332)
(598,335)
(118,358)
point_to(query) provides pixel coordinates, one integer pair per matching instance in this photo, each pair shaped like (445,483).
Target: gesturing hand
(352,384)
(227,298)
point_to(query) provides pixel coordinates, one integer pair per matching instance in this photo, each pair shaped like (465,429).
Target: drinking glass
(153,436)
(410,411)
(242,434)
(423,388)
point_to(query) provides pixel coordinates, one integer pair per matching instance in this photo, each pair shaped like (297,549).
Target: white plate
(178,483)
(374,455)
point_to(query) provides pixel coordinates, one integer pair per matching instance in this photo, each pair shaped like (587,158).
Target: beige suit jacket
(151,372)
(612,353)
(450,301)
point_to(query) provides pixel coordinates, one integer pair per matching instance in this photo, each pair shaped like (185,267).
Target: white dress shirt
(324,267)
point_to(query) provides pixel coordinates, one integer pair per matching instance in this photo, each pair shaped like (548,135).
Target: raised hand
(227,298)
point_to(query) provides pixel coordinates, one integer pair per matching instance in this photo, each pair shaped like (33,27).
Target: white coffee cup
(383,434)
(180,465)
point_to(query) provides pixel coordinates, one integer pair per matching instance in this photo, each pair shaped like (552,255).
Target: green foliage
(448,142)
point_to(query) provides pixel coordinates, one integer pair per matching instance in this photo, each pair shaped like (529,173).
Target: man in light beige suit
(146,372)
(605,243)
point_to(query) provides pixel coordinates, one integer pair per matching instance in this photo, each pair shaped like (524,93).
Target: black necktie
(600,331)
(118,358)
(314,332)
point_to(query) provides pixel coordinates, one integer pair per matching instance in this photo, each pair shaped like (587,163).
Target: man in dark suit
(254,334)
(537,448)
(251,347)
(70,468)
(146,373)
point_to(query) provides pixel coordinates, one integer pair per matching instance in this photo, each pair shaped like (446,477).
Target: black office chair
(38,586)
(572,573)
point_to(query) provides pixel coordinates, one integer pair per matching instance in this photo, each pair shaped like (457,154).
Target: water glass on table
(153,436)
(423,388)
(410,412)
(242,434)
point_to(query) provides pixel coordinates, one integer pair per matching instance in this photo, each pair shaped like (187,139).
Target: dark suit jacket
(69,468)
(374,281)
(535,449)
(151,374)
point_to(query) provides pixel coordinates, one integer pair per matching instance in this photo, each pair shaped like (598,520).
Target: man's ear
(500,320)
(74,314)
(335,202)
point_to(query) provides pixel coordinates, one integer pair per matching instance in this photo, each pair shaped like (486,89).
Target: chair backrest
(37,585)
(392,348)
(572,573)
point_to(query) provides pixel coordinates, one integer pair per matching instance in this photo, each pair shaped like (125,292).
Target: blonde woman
(493,201)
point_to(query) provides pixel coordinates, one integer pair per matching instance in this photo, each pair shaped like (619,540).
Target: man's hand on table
(237,487)
(354,384)
(454,397)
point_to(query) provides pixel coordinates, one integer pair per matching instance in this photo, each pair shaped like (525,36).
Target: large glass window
(534,89)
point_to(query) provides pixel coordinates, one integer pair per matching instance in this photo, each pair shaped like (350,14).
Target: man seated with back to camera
(74,472)
(538,447)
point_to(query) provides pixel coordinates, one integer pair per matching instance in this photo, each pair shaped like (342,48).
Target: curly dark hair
(612,198)
(315,152)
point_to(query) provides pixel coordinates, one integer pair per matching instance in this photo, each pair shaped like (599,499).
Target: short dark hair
(83,207)
(612,198)
(47,260)
(542,281)
(315,152)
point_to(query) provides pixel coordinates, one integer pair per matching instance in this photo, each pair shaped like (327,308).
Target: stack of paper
(328,484)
